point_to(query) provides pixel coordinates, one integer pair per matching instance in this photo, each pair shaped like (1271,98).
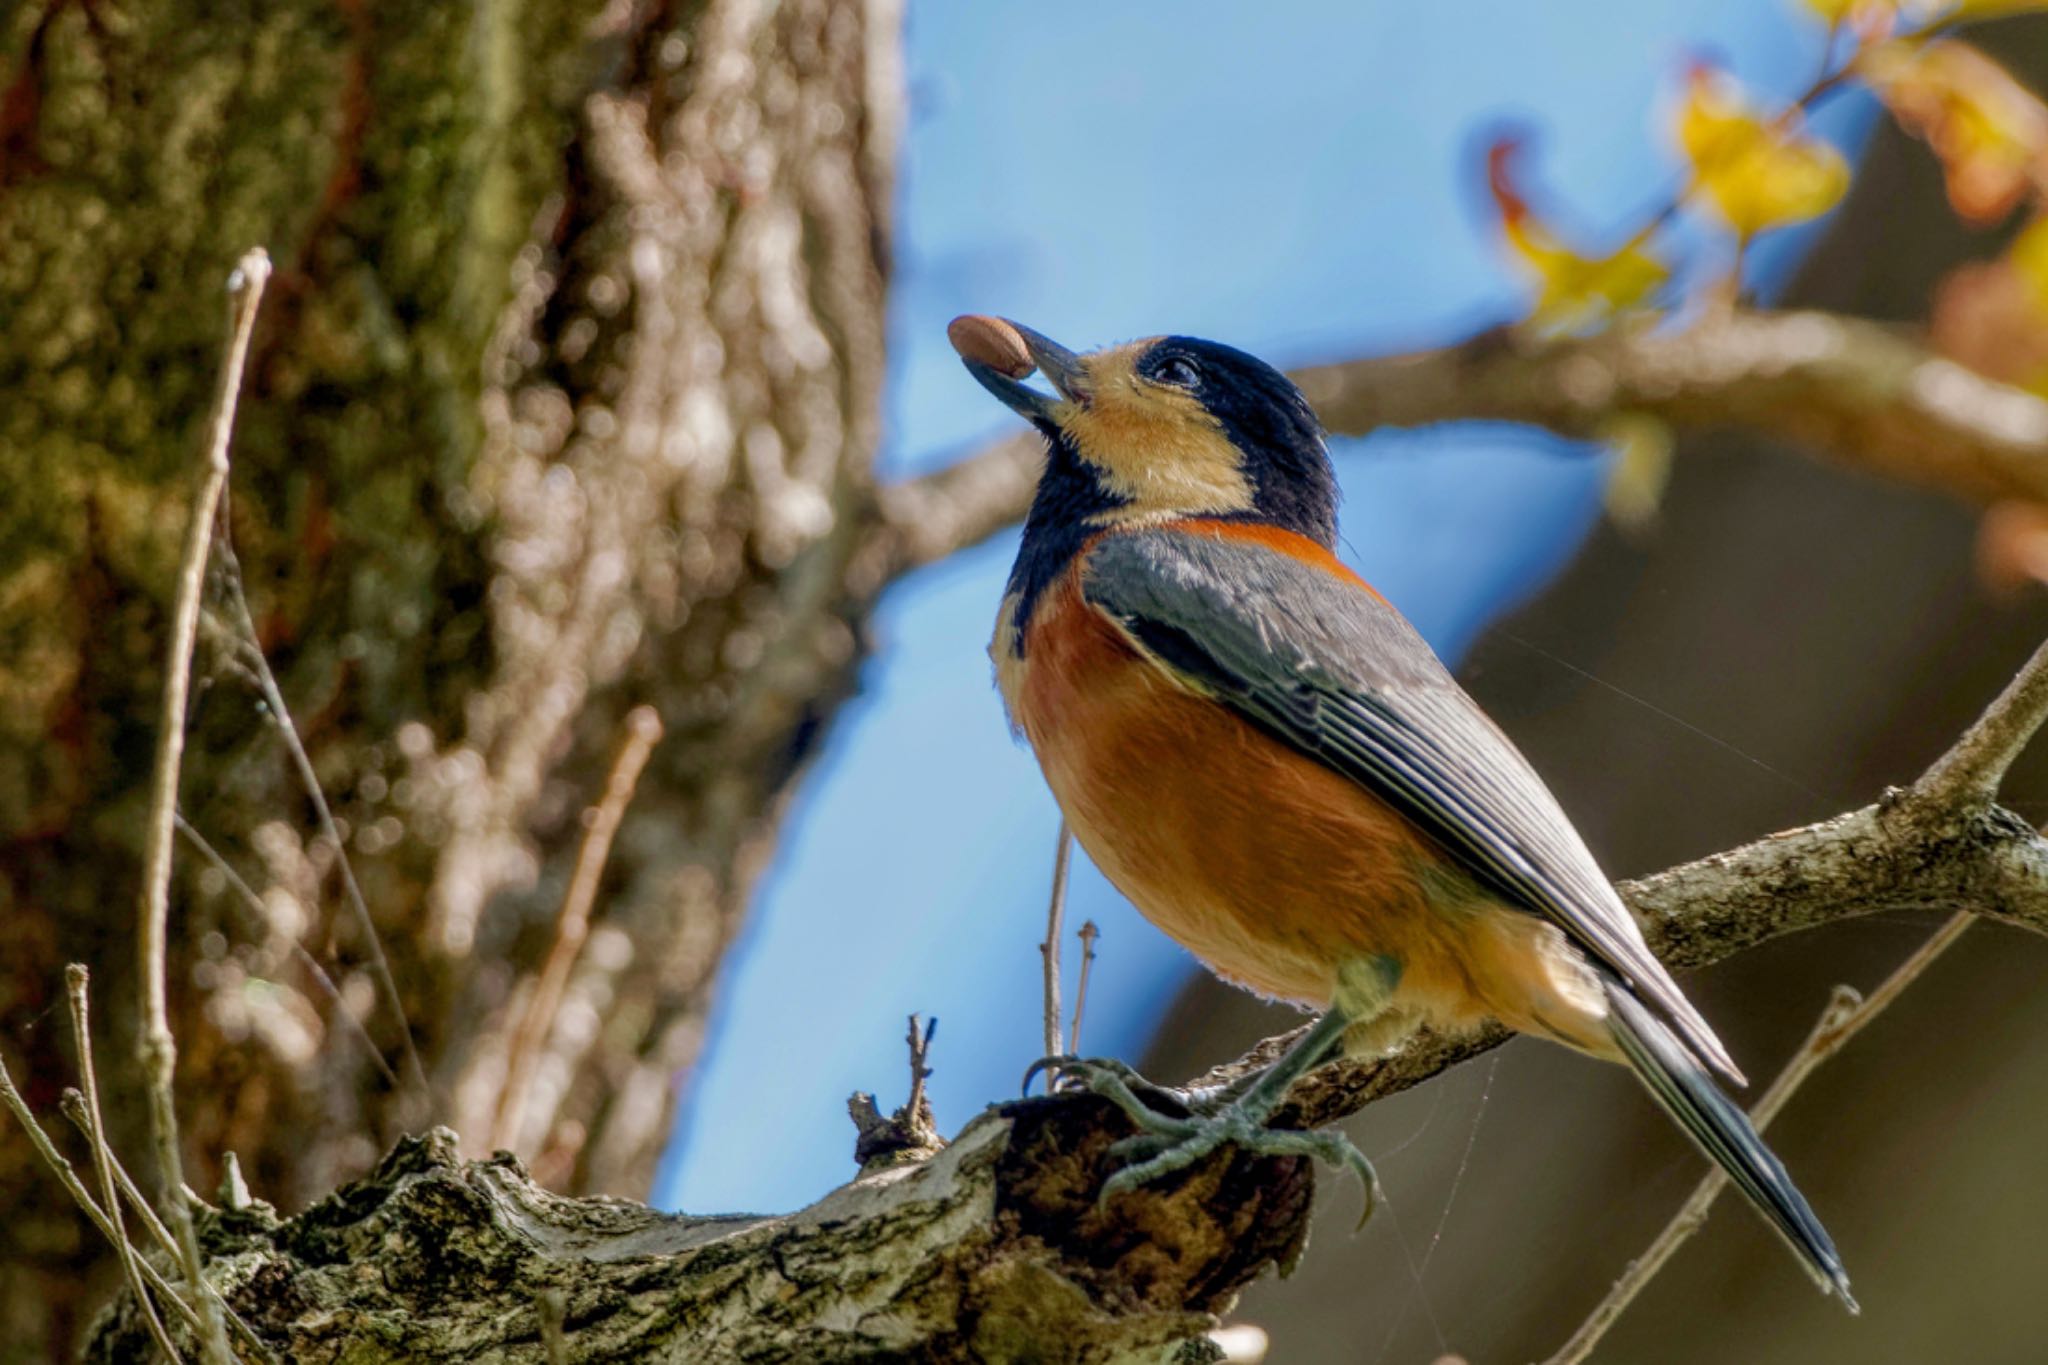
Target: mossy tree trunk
(563,401)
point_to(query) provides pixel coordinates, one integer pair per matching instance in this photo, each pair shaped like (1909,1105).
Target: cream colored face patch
(1153,445)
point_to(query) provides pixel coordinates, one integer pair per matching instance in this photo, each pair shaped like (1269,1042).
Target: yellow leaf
(1990,131)
(1757,173)
(1990,9)
(1642,447)
(2029,256)
(1861,15)
(1993,315)
(1574,291)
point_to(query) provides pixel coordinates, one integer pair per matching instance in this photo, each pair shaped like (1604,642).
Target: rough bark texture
(994,1249)
(563,401)
(999,1247)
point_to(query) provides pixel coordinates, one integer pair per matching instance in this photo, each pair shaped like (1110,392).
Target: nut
(992,342)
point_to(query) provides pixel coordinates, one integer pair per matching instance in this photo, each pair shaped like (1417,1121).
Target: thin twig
(1049,951)
(157,1049)
(281,717)
(261,924)
(572,923)
(77,986)
(1845,1016)
(918,1107)
(68,1178)
(1089,933)
(73,1105)
(1969,773)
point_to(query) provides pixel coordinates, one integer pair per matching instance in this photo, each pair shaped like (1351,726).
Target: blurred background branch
(1869,396)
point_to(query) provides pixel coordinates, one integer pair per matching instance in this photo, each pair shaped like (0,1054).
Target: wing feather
(1325,666)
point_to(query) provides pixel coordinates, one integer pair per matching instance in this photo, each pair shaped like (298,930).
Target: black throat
(1063,518)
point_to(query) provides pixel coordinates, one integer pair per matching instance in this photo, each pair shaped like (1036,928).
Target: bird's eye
(1178,372)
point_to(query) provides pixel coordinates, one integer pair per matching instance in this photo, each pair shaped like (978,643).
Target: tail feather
(1685,1090)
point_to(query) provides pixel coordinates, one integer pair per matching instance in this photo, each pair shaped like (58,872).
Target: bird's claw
(1166,1143)
(1105,1076)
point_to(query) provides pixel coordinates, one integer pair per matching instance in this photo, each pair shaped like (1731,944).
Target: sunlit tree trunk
(564,400)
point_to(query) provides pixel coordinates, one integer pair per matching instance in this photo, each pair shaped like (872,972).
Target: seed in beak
(992,342)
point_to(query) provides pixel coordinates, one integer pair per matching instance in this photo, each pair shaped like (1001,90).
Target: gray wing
(1325,666)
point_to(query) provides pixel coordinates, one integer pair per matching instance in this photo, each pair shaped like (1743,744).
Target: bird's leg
(1168,1142)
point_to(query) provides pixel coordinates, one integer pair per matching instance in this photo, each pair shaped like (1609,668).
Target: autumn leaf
(1574,291)
(1993,315)
(1642,447)
(1757,172)
(1990,131)
(2012,546)
(2029,257)
(1868,17)
(1989,9)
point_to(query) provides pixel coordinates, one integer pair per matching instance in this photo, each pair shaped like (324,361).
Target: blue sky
(1301,181)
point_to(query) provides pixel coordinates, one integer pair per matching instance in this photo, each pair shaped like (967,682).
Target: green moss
(392,165)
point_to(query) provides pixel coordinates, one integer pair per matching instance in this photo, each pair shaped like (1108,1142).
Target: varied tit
(1267,759)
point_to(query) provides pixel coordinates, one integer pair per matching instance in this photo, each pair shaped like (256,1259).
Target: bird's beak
(1060,366)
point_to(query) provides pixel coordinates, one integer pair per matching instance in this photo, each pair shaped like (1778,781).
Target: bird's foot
(1114,1080)
(1168,1142)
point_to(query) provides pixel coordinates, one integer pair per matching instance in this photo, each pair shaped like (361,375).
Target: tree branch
(1967,776)
(572,922)
(77,990)
(1000,1239)
(157,1049)
(1969,773)
(1859,392)
(1845,1016)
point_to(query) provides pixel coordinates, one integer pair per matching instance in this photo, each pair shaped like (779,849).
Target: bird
(1263,755)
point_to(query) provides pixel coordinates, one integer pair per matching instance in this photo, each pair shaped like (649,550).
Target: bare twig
(77,986)
(281,717)
(73,1105)
(1970,772)
(157,1050)
(72,1102)
(909,1135)
(73,1186)
(572,923)
(1049,951)
(1089,933)
(1853,390)
(260,923)
(920,1050)
(1845,1016)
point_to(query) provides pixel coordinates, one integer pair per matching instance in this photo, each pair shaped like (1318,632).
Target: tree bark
(564,401)
(1002,1245)
(992,1250)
